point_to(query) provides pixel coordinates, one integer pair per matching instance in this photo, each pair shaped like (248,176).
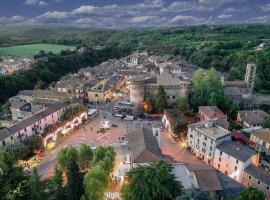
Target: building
(204,137)
(207,179)
(20,110)
(232,159)
(146,87)
(251,118)
(32,125)
(23,96)
(213,113)
(257,178)
(144,146)
(250,77)
(261,139)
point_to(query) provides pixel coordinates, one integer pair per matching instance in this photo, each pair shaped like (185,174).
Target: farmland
(33,49)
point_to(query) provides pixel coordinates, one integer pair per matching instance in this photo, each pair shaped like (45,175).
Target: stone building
(142,88)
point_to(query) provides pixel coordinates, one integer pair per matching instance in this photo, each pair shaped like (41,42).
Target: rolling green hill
(33,49)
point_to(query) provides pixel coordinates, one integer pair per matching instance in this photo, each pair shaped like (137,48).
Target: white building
(203,137)
(32,125)
(232,159)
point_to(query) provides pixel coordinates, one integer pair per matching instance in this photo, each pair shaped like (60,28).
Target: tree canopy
(155,181)
(251,193)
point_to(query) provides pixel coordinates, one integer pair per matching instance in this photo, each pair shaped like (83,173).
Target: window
(211,141)
(219,159)
(24,129)
(237,161)
(235,168)
(205,138)
(267,187)
(228,157)
(218,166)
(249,177)
(220,153)
(11,137)
(173,97)
(259,182)
(210,154)
(211,148)
(168,97)
(227,165)
(204,144)
(191,136)
(4,143)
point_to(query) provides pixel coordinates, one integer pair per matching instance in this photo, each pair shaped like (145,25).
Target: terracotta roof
(263,134)
(206,177)
(212,112)
(144,146)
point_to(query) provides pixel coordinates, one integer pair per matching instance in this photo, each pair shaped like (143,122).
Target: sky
(132,13)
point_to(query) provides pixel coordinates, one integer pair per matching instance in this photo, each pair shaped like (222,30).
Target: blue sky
(132,13)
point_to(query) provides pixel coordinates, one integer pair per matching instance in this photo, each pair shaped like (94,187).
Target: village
(110,105)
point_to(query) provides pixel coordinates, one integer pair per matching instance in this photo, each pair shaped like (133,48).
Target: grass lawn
(33,49)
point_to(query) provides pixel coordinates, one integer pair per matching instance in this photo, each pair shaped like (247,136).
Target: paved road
(169,147)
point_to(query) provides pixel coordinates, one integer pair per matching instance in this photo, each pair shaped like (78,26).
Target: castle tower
(136,91)
(250,76)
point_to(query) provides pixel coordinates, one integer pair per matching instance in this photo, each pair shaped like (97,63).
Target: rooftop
(263,134)
(212,112)
(144,146)
(253,116)
(211,129)
(258,173)
(5,133)
(238,151)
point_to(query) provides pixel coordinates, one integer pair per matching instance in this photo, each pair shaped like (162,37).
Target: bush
(17,150)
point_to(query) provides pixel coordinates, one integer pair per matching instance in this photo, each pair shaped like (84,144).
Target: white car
(106,125)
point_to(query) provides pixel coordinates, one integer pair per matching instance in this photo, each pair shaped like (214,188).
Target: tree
(206,89)
(13,182)
(266,123)
(33,142)
(161,100)
(95,183)
(105,156)
(17,150)
(182,105)
(36,186)
(85,156)
(65,155)
(251,193)
(158,183)
(194,194)
(74,187)
(57,185)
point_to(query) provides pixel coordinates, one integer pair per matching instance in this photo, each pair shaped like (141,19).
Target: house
(23,96)
(251,118)
(213,113)
(20,110)
(144,146)
(232,159)
(32,125)
(207,179)
(257,177)
(203,137)
(261,138)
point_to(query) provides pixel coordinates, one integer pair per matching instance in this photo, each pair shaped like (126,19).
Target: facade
(32,125)
(232,159)
(147,87)
(257,178)
(261,138)
(251,118)
(204,137)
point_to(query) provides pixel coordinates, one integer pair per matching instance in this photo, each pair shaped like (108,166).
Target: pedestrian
(91,129)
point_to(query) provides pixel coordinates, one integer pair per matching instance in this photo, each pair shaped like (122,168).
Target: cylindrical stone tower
(136,91)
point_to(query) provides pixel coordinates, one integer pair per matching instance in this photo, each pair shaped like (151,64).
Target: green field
(33,49)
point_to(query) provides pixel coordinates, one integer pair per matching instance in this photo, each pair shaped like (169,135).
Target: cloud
(53,15)
(183,19)
(141,19)
(265,8)
(224,16)
(35,3)
(84,10)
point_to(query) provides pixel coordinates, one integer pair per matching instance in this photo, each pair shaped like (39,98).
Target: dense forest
(225,48)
